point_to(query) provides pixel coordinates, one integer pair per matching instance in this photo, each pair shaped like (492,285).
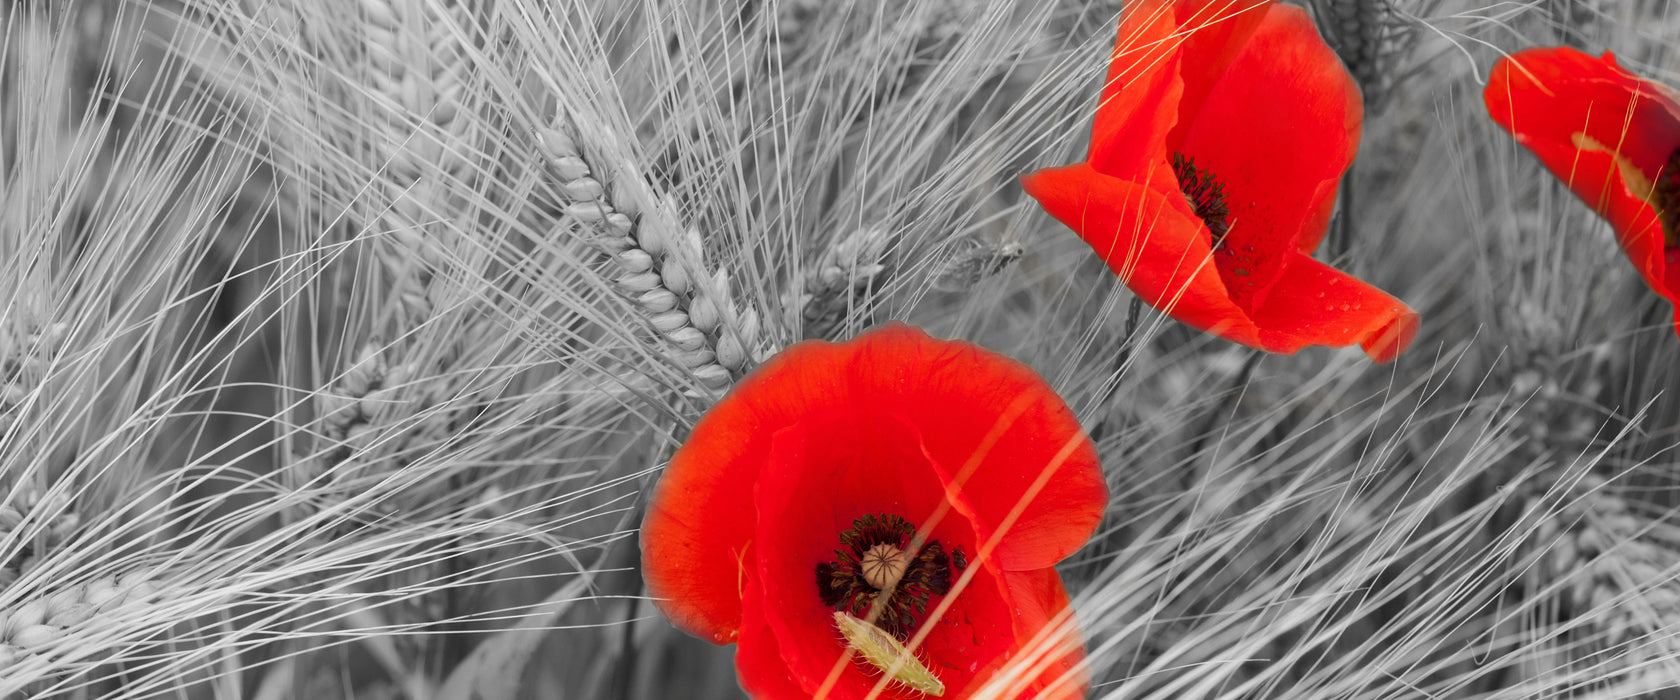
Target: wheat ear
(661,266)
(37,625)
(844,278)
(1619,579)
(974,263)
(1372,38)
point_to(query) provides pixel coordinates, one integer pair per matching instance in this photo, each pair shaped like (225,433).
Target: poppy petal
(1129,132)
(1604,132)
(1280,159)
(962,393)
(1216,31)
(861,464)
(699,524)
(1315,304)
(758,656)
(1050,666)
(1151,239)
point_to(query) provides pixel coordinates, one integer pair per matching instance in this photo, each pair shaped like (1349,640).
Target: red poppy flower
(1219,143)
(1612,136)
(801,493)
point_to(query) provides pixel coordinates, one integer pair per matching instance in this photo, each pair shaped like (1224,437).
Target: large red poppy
(1612,136)
(789,495)
(1219,143)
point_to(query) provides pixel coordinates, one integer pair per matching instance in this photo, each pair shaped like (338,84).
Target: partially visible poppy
(880,479)
(1612,136)
(1218,146)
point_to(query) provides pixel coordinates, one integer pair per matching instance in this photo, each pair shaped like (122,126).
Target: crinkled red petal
(1151,239)
(996,418)
(696,535)
(1047,662)
(1315,304)
(1279,128)
(1548,98)
(1139,98)
(1216,32)
(758,656)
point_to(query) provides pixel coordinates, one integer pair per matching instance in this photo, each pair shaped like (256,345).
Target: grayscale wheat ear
(660,266)
(1614,574)
(843,283)
(1374,39)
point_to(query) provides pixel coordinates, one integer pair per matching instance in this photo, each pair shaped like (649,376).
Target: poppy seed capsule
(883,565)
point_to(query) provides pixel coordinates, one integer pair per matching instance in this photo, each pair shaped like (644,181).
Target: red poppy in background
(1612,136)
(801,492)
(1219,143)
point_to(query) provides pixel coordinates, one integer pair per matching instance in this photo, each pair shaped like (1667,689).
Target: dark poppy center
(1205,194)
(874,560)
(1665,196)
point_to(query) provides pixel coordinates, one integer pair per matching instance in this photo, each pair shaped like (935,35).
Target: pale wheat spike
(975,263)
(415,65)
(843,280)
(373,397)
(28,355)
(1372,38)
(1618,576)
(42,523)
(36,625)
(660,266)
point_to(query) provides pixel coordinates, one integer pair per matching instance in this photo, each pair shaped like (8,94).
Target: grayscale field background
(343,342)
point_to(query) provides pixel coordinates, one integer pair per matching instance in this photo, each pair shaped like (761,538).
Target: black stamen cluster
(842,586)
(1205,194)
